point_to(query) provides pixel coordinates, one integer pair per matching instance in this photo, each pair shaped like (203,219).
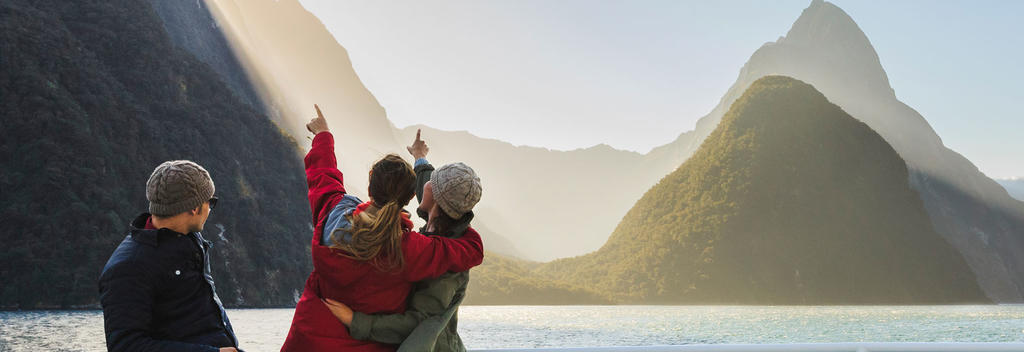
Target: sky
(567,74)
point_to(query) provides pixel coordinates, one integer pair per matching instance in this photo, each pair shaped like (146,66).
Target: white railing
(802,347)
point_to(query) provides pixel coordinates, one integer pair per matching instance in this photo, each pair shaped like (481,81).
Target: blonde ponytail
(378,239)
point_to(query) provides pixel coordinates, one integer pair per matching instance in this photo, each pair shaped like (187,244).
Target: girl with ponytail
(376,231)
(365,254)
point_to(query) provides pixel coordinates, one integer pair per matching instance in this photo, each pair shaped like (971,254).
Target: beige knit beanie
(178,186)
(456,189)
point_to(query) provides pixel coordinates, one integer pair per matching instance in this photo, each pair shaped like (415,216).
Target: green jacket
(430,321)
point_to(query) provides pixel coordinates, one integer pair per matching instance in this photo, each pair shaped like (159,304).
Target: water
(580,326)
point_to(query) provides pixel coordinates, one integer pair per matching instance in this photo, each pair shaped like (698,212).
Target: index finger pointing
(417,134)
(318,113)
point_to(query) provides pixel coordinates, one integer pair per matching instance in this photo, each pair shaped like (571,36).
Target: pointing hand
(419,148)
(317,124)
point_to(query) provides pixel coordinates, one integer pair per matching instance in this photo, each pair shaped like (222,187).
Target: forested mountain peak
(789,201)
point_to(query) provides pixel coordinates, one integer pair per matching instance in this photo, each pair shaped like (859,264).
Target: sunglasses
(213,202)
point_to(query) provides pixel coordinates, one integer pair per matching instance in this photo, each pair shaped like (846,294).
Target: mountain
(502,280)
(824,47)
(789,201)
(593,187)
(258,60)
(1013,186)
(95,94)
(827,49)
(518,200)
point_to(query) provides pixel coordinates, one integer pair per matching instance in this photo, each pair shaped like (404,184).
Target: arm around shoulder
(429,298)
(430,257)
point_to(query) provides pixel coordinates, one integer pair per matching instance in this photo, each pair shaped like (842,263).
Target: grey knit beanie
(178,186)
(456,189)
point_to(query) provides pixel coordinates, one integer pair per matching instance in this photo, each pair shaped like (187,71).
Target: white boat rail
(801,347)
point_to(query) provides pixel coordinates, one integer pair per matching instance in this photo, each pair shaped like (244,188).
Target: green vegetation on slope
(789,201)
(94,96)
(503,280)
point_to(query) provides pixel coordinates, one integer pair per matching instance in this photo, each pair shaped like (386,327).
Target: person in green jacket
(447,196)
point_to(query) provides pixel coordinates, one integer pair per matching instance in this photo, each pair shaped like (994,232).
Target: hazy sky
(635,74)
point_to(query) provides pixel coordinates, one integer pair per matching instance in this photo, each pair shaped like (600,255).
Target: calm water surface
(578,326)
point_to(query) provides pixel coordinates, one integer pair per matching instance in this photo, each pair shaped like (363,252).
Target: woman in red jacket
(365,254)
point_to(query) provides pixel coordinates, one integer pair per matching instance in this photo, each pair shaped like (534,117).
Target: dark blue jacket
(158,295)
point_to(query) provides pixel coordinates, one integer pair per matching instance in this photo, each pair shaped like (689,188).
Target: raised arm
(430,257)
(419,151)
(325,181)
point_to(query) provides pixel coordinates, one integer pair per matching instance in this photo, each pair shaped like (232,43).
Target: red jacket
(359,284)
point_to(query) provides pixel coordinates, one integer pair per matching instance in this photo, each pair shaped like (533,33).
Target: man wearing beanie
(156,289)
(430,323)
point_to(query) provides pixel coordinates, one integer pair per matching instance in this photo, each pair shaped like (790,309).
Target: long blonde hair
(378,239)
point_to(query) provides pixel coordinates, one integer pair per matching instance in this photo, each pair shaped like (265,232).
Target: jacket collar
(140,233)
(457,230)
